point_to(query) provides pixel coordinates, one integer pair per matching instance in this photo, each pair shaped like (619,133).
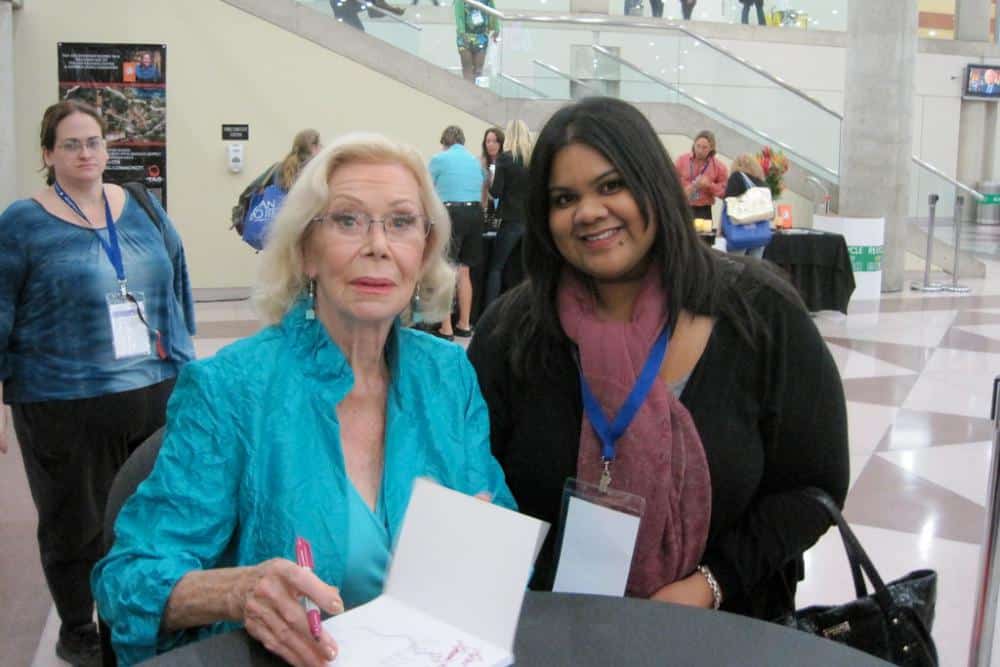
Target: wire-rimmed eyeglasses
(401,227)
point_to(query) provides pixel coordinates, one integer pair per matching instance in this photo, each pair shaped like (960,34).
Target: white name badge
(597,539)
(129,335)
(476,18)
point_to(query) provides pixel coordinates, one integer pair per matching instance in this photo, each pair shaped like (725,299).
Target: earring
(416,317)
(311,304)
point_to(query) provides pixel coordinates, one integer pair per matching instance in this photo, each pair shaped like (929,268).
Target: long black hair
(690,270)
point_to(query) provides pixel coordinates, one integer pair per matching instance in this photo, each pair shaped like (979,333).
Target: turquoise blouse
(252,458)
(368,550)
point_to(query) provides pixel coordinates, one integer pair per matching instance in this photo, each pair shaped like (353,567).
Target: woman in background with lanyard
(703,176)
(96,319)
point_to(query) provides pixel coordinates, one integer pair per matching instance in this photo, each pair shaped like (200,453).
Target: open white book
(454,591)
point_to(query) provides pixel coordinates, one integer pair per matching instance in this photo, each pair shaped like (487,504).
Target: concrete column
(972,20)
(977,125)
(876,138)
(8,156)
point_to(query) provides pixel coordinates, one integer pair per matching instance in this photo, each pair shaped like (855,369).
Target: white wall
(223,66)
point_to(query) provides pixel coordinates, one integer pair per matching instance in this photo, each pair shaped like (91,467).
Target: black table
(582,630)
(817,263)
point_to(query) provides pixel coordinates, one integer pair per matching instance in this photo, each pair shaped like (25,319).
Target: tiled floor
(918,373)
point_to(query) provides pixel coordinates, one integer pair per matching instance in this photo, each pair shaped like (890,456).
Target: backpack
(143,199)
(246,202)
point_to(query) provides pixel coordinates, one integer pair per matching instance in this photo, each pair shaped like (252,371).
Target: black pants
(72,451)
(656,7)
(759,4)
(508,236)
(687,7)
(704,212)
(347,11)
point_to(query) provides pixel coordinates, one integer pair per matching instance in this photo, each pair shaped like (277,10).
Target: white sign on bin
(865,239)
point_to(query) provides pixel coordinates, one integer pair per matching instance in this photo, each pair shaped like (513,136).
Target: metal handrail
(937,172)
(729,119)
(370,7)
(591,21)
(524,85)
(559,72)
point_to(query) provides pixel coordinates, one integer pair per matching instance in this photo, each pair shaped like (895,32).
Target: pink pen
(304,557)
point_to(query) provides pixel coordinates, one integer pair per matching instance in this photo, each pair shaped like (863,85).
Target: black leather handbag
(892,623)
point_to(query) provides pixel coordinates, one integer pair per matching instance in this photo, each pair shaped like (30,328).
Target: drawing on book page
(387,633)
(400,650)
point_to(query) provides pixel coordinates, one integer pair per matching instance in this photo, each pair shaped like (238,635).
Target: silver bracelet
(712,584)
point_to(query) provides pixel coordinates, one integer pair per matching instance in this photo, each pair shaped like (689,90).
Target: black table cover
(818,264)
(559,630)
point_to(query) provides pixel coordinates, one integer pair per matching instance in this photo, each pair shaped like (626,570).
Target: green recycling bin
(988,210)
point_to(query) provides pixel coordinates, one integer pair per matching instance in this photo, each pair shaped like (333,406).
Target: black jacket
(772,421)
(736,186)
(510,184)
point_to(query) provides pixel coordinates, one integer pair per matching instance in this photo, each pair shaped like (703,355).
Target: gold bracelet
(713,585)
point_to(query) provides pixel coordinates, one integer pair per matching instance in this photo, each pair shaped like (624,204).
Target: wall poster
(127,82)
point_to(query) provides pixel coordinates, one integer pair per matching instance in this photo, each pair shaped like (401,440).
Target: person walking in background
(702,175)
(96,319)
(510,186)
(493,140)
(305,145)
(260,201)
(745,167)
(458,178)
(759,4)
(687,8)
(474,30)
(347,11)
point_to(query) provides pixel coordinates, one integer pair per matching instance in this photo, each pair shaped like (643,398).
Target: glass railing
(653,62)
(564,57)
(927,180)
(927,183)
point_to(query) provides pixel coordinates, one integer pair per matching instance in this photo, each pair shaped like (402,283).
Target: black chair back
(136,468)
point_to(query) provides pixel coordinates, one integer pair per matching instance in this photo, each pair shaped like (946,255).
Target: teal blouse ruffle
(252,459)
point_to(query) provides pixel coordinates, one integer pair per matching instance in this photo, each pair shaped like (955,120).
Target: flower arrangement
(774,165)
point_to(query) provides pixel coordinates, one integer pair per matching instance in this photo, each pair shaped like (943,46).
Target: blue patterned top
(252,458)
(55,331)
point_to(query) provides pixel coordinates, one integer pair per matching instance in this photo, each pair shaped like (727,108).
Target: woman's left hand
(496,36)
(692,591)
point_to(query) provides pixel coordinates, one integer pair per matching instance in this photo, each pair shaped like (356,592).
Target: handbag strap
(141,194)
(856,555)
(746,179)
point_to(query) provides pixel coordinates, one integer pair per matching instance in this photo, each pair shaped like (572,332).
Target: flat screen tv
(982,82)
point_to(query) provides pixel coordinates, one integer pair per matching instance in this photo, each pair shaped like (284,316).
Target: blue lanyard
(703,169)
(111,247)
(609,433)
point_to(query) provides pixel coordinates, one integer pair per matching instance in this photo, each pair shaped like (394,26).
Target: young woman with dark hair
(746,408)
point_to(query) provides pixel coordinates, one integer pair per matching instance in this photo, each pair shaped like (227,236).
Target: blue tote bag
(260,213)
(745,237)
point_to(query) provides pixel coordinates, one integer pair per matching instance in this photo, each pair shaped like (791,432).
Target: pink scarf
(660,456)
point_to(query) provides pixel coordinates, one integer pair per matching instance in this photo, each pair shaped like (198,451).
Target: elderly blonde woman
(745,168)
(315,427)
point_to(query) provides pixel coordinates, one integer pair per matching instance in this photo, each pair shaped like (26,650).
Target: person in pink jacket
(702,174)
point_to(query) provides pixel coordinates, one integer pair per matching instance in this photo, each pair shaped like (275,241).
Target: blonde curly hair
(282,277)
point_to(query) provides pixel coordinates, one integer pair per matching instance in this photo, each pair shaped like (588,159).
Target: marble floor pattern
(917,372)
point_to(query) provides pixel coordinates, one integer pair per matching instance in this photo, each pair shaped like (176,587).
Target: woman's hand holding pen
(267,599)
